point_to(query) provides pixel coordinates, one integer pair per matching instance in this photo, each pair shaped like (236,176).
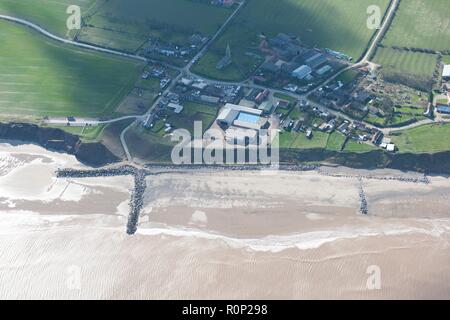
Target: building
(243,117)
(316,61)
(209,99)
(302,72)
(177,108)
(446,73)
(443,109)
(324,70)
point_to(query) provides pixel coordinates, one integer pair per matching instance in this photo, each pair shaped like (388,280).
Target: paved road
(388,131)
(80,122)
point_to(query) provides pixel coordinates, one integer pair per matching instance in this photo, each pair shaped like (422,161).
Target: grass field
(293,140)
(335,24)
(357,147)
(127,24)
(399,61)
(335,141)
(347,76)
(41,77)
(446,59)
(424,139)
(421,24)
(413,69)
(50,14)
(88,134)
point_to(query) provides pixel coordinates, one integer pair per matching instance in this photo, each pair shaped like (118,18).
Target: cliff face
(97,155)
(92,154)
(438,163)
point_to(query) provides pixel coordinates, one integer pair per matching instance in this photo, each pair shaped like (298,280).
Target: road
(71,42)
(81,122)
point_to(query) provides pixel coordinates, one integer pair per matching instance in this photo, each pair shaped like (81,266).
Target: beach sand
(218,235)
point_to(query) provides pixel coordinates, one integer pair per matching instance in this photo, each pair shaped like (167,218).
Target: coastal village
(298,90)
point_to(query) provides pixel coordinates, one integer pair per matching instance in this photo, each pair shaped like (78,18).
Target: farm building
(302,72)
(324,70)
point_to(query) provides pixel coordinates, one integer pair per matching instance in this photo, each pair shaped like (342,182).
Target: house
(390,147)
(177,108)
(266,107)
(282,104)
(209,99)
(262,96)
(302,72)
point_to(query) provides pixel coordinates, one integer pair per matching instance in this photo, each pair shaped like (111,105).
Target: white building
(243,117)
(302,72)
(177,108)
(446,72)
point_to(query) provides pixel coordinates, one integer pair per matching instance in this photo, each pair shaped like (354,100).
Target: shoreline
(223,234)
(97,155)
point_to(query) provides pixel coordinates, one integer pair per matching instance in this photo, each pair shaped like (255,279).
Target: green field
(421,24)
(40,77)
(185,120)
(128,24)
(358,147)
(424,139)
(336,24)
(414,69)
(87,133)
(446,59)
(50,14)
(293,140)
(347,76)
(406,62)
(335,141)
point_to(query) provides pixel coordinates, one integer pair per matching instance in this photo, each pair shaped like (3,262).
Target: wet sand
(217,235)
